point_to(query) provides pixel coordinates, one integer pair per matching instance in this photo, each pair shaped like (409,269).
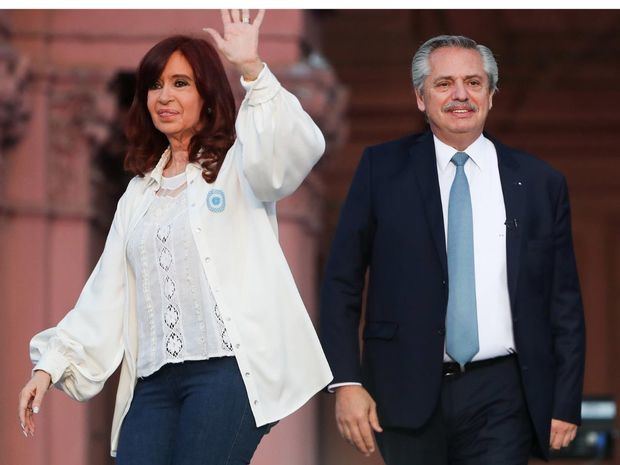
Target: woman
(192,270)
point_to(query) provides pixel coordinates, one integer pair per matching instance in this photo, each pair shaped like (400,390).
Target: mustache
(459,106)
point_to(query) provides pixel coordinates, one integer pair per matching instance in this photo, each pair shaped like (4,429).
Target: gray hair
(421,68)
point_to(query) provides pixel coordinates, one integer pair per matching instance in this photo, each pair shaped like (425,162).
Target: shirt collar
(477,152)
(156,174)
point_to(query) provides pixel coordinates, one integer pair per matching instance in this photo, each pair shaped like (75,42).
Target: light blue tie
(461,318)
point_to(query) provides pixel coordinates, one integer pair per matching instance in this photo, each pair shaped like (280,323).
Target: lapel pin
(216,200)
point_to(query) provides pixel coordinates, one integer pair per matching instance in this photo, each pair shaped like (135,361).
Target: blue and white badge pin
(216,201)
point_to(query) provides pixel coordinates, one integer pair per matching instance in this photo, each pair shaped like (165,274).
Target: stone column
(14,79)
(45,247)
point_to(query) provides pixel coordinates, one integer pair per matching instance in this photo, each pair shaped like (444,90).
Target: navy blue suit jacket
(391,226)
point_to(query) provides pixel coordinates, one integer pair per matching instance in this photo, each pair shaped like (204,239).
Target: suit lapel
(425,164)
(514,187)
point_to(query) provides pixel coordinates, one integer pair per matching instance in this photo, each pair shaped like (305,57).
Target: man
(473,332)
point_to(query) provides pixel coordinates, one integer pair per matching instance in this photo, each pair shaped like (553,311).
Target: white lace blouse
(178,318)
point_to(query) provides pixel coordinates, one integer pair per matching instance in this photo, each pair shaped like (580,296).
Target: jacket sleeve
(343,284)
(85,348)
(280,142)
(567,320)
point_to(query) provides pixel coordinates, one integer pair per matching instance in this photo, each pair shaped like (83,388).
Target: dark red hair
(217,116)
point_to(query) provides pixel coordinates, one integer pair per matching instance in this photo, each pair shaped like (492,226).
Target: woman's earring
(209,110)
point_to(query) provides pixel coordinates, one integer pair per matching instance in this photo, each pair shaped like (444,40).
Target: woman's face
(173,100)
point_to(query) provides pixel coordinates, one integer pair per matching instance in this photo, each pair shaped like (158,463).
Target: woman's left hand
(240,42)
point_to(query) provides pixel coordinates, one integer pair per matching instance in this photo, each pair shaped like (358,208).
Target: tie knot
(460,158)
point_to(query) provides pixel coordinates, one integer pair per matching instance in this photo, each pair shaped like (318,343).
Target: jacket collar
(425,168)
(192,169)
(514,187)
(157,172)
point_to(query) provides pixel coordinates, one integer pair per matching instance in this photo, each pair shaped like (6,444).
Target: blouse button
(207,259)
(237,346)
(247,373)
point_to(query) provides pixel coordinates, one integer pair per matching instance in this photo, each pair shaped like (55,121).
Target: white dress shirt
(489,216)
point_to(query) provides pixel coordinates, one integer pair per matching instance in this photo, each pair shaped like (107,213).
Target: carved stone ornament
(313,81)
(14,106)
(315,84)
(80,108)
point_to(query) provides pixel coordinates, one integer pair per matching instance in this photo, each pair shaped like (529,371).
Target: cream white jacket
(234,226)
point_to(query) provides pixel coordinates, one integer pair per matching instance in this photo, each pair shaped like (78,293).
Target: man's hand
(562,433)
(356,416)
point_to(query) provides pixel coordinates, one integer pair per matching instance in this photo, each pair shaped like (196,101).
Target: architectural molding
(81,109)
(313,81)
(15,79)
(322,95)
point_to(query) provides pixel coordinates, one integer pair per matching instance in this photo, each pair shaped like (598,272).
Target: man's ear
(419,97)
(491,99)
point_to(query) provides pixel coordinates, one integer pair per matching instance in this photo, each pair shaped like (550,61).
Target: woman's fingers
(225,17)
(31,399)
(24,400)
(25,410)
(219,40)
(38,398)
(259,18)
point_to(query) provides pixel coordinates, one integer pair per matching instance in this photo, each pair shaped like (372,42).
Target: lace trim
(172,193)
(172,315)
(226,345)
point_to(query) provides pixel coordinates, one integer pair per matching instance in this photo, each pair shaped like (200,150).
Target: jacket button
(441,332)
(444,282)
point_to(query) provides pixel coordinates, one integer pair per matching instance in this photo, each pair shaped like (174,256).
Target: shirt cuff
(53,363)
(332,387)
(263,88)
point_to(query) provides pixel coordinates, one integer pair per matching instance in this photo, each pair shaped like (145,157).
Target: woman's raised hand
(30,399)
(240,41)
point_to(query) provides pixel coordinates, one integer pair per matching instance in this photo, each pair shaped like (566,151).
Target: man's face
(456,96)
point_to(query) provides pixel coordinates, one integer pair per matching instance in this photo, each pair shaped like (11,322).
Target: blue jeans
(190,413)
